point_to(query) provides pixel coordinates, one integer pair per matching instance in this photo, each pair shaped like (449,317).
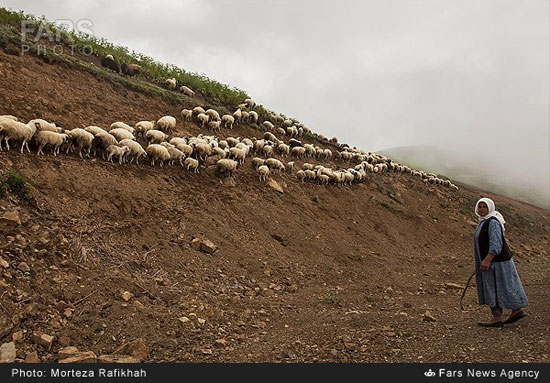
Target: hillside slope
(318,273)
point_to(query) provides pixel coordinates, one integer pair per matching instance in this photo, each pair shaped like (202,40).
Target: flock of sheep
(121,142)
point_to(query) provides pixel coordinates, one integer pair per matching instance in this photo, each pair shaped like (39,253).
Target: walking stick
(464,291)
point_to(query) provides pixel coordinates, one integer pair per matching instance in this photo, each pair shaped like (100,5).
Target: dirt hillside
(362,273)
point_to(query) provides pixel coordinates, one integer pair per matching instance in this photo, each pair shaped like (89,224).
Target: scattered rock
(43,340)
(64,341)
(4,263)
(203,245)
(428,317)
(183,319)
(17,336)
(195,244)
(138,304)
(316,199)
(80,357)
(12,217)
(126,296)
(67,352)
(136,348)
(275,185)
(456,286)
(7,353)
(117,359)
(32,357)
(24,267)
(221,342)
(5,327)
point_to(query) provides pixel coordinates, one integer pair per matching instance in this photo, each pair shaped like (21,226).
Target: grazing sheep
(118,151)
(175,153)
(9,117)
(283,149)
(94,129)
(280,131)
(45,125)
(202,151)
(203,119)
(192,164)
(275,164)
(166,124)
(121,134)
(219,152)
(253,116)
(130,69)
(226,166)
(110,63)
(263,172)
(122,125)
(250,102)
(214,116)
(267,150)
(301,175)
(228,121)
(215,126)
(155,136)
(81,139)
(232,141)
(185,148)
(198,110)
(178,140)
(170,82)
(187,114)
(289,166)
(238,154)
(142,127)
(102,141)
(244,116)
(238,115)
(292,131)
(187,91)
(298,151)
(17,131)
(268,125)
(46,137)
(157,152)
(257,162)
(135,150)
(287,123)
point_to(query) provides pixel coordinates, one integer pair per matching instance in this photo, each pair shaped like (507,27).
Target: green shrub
(16,184)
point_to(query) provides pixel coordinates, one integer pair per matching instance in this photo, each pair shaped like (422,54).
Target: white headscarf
(492,212)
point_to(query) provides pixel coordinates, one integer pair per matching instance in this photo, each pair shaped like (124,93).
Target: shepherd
(497,280)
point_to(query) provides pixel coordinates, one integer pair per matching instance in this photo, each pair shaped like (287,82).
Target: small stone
(68,312)
(24,267)
(138,304)
(275,185)
(126,296)
(195,244)
(81,357)
(32,357)
(136,348)
(67,352)
(4,263)
(5,327)
(17,336)
(456,286)
(208,246)
(206,351)
(221,342)
(11,216)
(201,321)
(42,339)
(7,353)
(183,319)
(117,359)
(428,317)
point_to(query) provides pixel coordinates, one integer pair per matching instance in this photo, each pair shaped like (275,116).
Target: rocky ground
(100,263)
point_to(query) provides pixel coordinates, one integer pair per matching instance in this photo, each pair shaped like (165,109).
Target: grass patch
(329,299)
(16,184)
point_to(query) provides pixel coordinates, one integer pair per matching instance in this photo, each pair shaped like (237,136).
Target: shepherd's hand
(485,264)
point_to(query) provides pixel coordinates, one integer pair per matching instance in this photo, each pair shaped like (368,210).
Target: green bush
(16,184)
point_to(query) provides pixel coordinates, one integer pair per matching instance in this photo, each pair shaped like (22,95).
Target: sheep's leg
(22,146)
(27,146)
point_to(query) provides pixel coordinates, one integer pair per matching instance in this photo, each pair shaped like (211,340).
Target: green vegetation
(16,184)
(151,69)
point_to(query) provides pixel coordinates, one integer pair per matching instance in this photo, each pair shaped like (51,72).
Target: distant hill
(487,173)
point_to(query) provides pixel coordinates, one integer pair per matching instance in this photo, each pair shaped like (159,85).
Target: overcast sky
(467,75)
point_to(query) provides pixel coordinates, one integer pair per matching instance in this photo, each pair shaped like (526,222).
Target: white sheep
(280,131)
(17,131)
(170,82)
(238,154)
(298,151)
(46,137)
(122,125)
(192,164)
(118,151)
(157,152)
(283,149)
(187,114)
(228,121)
(198,110)
(237,115)
(267,150)
(289,166)
(244,116)
(175,153)
(226,166)
(253,116)
(81,139)
(9,117)
(135,150)
(187,91)
(301,175)
(94,129)
(166,124)
(263,172)
(142,127)
(268,125)
(287,123)
(121,134)
(214,116)
(257,162)
(155,136)
(250,102)
(275,164)
(45,125)
(203,119)
(215,126)
(202,151)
